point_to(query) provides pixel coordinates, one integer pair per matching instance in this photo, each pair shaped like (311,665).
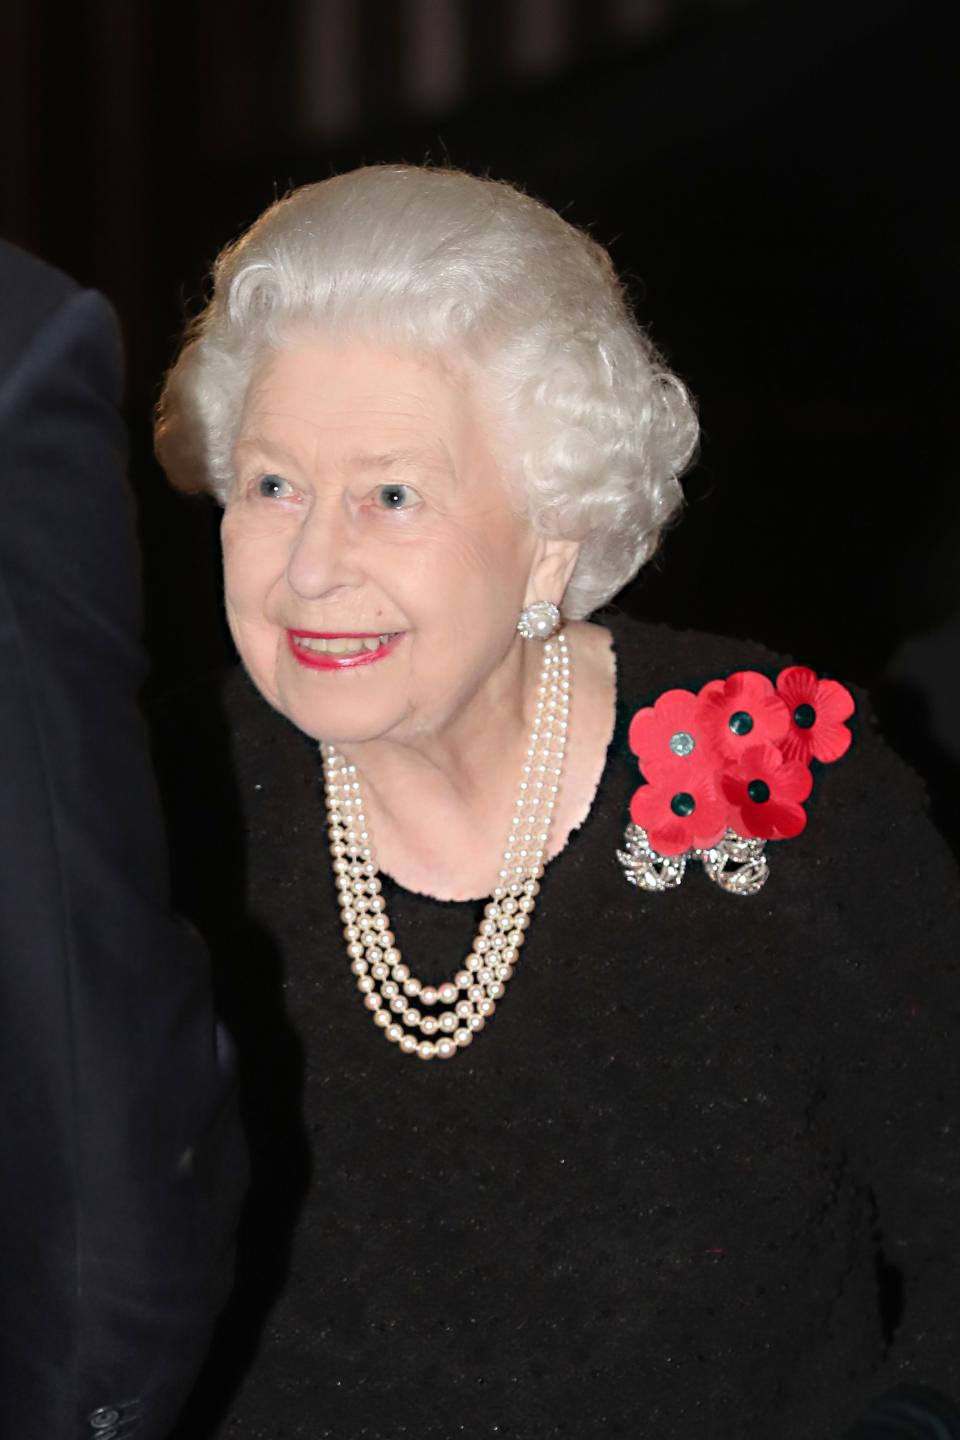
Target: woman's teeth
(341,645)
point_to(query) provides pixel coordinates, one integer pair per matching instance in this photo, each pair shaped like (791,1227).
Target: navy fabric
(121,1160)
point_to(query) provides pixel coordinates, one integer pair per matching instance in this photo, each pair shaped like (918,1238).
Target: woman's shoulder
(218,746)
(238,783)
(653,656)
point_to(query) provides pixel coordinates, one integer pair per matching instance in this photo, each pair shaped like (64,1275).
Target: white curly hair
(593,429)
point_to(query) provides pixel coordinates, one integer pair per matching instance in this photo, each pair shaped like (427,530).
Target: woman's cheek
(451,556)
(257,643)
(236,626)
(249,563)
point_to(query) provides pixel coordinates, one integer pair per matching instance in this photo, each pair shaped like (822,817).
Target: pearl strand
(386,983)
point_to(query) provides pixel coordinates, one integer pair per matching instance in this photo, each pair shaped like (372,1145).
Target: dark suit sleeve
(121,1163)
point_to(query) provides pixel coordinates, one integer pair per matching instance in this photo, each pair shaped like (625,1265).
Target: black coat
(700,1174)
(121,1161)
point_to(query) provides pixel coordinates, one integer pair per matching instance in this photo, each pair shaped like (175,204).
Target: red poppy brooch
(726,770)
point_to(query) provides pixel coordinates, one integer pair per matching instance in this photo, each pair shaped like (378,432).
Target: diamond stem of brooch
(645,866)
(453,1012)
(737,864)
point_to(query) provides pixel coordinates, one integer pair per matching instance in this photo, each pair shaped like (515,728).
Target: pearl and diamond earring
(539,621)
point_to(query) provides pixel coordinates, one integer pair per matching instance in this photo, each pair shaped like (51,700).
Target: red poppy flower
(817,710)
(668,731)
(764,792)
(741,712)
(682,809)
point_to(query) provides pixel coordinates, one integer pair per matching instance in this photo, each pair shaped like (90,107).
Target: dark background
(774,179)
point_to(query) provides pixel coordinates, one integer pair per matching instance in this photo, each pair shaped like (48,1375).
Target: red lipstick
(316,660)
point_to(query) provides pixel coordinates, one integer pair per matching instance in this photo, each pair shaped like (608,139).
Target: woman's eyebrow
(433,457)
(254,444)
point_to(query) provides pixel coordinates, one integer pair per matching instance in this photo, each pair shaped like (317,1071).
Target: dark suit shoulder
(30,292)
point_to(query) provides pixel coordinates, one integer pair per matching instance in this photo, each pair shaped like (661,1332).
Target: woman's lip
(316,660)
(339,634)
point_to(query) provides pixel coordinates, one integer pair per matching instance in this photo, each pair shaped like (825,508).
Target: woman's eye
(272,487)
(396,497)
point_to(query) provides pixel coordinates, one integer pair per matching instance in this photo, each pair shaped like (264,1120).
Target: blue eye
(268,487)
(396,497)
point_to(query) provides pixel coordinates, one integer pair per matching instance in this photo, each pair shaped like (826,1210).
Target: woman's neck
(438,806)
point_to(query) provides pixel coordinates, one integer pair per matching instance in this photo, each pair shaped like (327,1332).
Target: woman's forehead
(357,378)
(382,411)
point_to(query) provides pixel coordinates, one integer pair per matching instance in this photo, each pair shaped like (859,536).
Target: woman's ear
(553,564)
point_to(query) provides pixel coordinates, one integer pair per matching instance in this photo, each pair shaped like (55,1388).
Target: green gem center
(683,804)
(805,716)
(741,722)
(759,791)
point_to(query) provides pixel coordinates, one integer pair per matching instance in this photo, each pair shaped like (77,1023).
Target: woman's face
(367,503)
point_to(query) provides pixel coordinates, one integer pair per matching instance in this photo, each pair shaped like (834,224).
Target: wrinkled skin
(367,499)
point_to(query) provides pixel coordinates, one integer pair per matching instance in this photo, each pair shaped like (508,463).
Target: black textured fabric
(694,1177)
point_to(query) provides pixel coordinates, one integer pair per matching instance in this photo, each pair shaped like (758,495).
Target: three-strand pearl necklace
(434,1022)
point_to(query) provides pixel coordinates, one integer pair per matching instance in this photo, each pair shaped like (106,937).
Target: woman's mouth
(339,652)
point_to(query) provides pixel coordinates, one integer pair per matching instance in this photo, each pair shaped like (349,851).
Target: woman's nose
(323,556)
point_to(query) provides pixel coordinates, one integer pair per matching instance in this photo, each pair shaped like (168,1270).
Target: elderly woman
(687,1169)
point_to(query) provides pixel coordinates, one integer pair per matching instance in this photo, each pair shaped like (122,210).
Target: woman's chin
(338,725)
(309,700)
